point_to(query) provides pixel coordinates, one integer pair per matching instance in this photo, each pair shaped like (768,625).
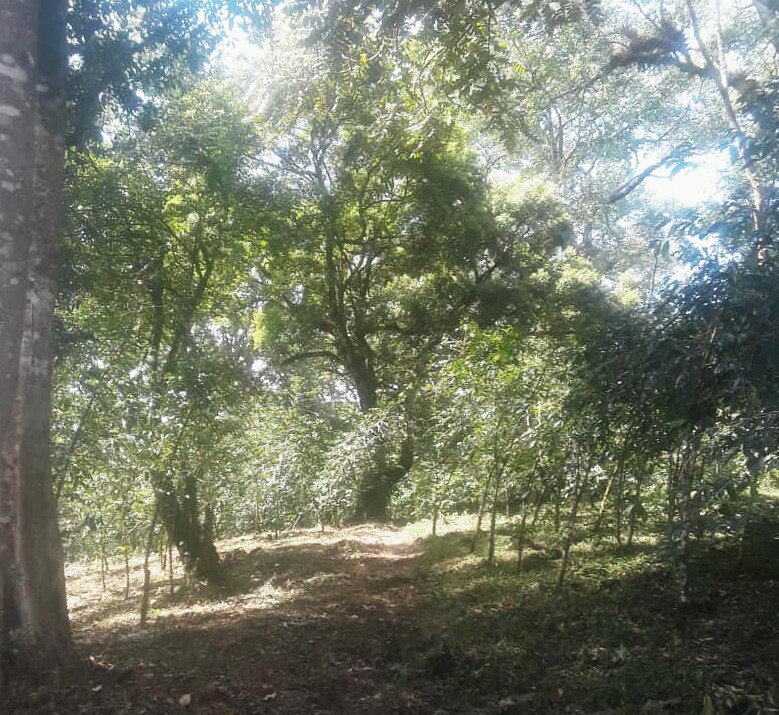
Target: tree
(394,237)
(171,216)
(34,630)
(124,54)
(39,71)
(696,40)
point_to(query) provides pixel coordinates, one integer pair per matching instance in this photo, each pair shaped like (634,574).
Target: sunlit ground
(265,580)
(382,619)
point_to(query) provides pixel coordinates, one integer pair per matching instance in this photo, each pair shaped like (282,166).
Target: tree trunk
(373,498)
(170,568)
(439,491)
(380,480)
(179,515)
(674,465)
(581,480)
(126,573)
(103,562)
(34,629)
(521,533)
(193,539)
(754,467)
(558,502)
(480,517)
(602,508)
(619,502)
(494,517)
(635,507)
(146,592)
(688,480)
(768,12)
(537,508)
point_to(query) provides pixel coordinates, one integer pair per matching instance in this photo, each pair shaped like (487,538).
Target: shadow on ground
(613,640)
(308,623)
(371,619)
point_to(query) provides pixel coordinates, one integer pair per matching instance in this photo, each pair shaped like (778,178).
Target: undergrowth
(613,638)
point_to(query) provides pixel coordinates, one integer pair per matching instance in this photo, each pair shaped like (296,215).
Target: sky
(691,186)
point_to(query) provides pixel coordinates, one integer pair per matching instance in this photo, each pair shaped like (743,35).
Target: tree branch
(308,354)
(635,181)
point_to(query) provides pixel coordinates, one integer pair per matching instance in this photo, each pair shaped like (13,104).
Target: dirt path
(310,623)
(359,621)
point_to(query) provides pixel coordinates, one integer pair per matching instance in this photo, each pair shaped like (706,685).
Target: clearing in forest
(381,619)
(311,622)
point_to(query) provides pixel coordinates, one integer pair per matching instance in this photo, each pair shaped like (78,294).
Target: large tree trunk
(768,11)
(375,489)
(193,539)
(178,510)
(34,630)
(380,480)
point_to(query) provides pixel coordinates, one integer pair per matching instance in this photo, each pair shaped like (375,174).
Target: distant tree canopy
(398,171)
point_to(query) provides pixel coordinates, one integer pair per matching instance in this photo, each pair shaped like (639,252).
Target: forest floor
(379,619)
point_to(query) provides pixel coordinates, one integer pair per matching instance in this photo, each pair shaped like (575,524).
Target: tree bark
(581,482)
(717,72)
(34,629)
(635,506)
(146,591)
(480,517)
(521,536)
(380,480)
(494,517)
(193,539)
(180,516)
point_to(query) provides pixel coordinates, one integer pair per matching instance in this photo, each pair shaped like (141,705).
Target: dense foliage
(371,260)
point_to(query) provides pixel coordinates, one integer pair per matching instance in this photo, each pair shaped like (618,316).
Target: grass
(609,641)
